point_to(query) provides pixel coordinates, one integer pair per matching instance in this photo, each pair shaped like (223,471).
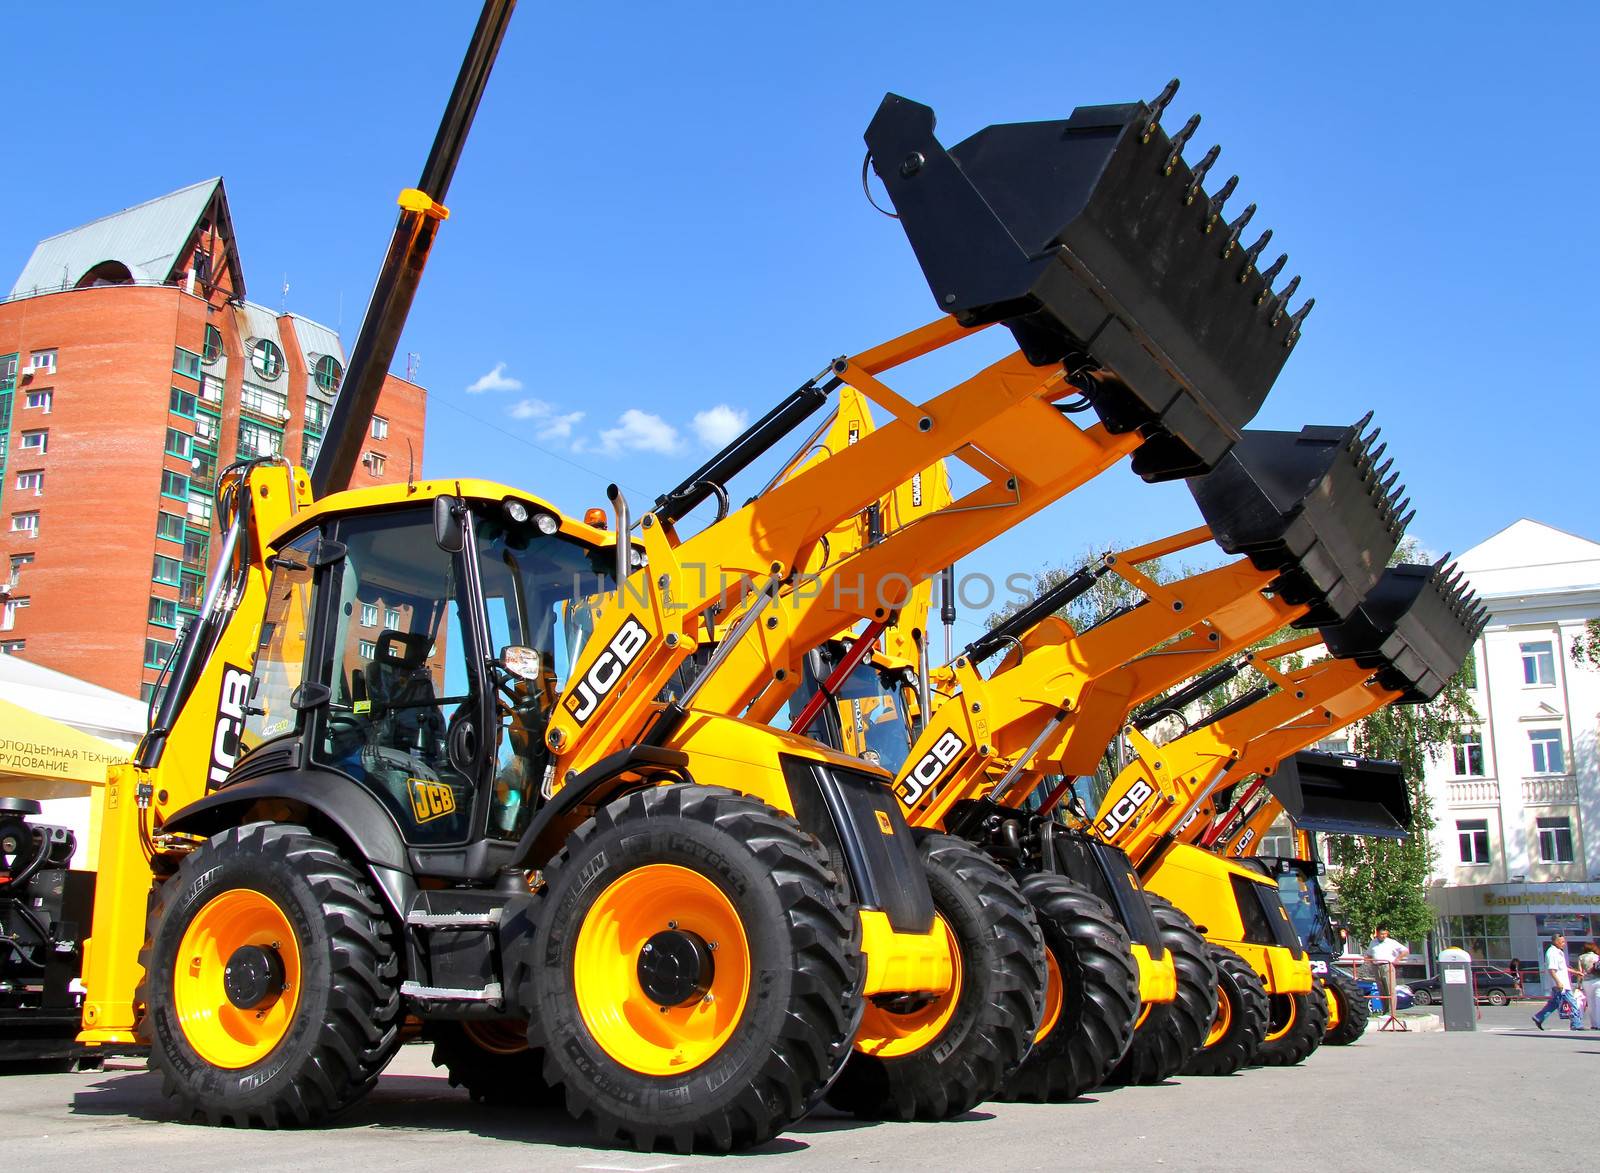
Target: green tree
(1586,648)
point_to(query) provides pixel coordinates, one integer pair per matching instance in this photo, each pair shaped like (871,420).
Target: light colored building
(1517,798)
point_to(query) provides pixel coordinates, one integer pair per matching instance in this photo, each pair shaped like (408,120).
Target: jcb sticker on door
(430,800)
(929,767)
(606,670)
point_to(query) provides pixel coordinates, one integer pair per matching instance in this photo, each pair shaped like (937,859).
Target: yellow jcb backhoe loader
(491,820)
(1056,698)
(1406,639)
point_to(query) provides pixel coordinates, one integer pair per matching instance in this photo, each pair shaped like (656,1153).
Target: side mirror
(523,663)
(448,534)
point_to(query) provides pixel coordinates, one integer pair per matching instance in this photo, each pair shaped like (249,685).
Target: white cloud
(553,425)
(559,427)
(495,380)
(529,409)
(636,431)
(719,425)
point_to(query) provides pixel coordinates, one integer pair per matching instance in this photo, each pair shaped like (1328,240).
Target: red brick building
(132,369)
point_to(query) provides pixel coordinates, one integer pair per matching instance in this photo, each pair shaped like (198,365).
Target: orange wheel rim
(1333,1006)
(498,1036)
(1223,1022)
(1284,1021)
(1144,1013)
(221,1033)
(1055,994)
(889,1033)
(636,1031)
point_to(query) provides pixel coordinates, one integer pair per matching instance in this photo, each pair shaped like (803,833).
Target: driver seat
(400,687)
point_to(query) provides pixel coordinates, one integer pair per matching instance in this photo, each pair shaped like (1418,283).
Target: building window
(1555,839)
(8,371)
(316,414)
(199,509)
(375,464)
(174,484)
(206,430)
(1549,755)
(369,614)
(328,373)
(8,620)
(179,443)
(169,526)
(42,360)
(380,428)
(211,351)
(40,400)
(1538,663)
(166,570)
(36,441)
(257,440)
(156,653)
(1468,754)
(182,402)
(264,401)
(24,523)
(31,481)
(266,359)
(18,561)
(10,647)
(210,389)
(309,447)
(1473,836)
(163,612)
(367,649)
(391,619)
(186,362)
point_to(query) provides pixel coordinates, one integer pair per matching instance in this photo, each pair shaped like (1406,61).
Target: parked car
(1403,999)
(1493,985)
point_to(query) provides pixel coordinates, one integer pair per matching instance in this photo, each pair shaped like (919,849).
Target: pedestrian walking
(1516,978)
(1589,972)
(1559,975)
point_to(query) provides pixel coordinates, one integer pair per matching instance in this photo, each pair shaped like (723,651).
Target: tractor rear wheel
(1353,1010)
(932,1059)
(492,1060)
(1093,997)
(1241,1021)
(272,984)
(1173,1032)
(1295,1027)
(694,977)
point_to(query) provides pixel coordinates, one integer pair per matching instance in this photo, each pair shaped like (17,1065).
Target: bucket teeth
(1214,207)
(1156,108)
(1294,322)
(1179,140)
(1235,229)
(1197,176)
(1269,274)
(1250,255)
(1281,302)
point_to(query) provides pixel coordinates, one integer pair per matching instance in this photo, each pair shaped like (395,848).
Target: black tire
(805,963)
(1241,996)
(1173,1032)
(345,1026)
(1099,996)
(1420,997)
(997,1009)
(1304,1033)
(1354,1010)
(1497,998)
(491,1059)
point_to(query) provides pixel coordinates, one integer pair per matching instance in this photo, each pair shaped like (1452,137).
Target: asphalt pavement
(1505,1097)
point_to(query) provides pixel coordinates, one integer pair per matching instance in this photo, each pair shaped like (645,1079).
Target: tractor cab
(414,646)
(874,714)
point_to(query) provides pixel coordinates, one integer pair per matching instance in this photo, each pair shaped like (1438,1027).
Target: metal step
(465,921)
(490,993)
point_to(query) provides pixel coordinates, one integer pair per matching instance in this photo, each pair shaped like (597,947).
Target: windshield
(872,714)
(1303,901)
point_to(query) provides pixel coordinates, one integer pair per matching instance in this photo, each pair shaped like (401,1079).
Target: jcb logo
(1244,841)
(607,669)
(431,800)
(1127,806)
(916,490)
(231,703)
(928,767)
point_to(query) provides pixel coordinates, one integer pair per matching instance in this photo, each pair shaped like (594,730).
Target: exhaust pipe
(619,503)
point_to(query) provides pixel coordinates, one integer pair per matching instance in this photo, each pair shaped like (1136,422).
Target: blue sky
(659,212)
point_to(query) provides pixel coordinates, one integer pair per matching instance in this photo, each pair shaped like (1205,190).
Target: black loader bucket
(1314,505)
(1414,629)
(1343,795)
(1099,247)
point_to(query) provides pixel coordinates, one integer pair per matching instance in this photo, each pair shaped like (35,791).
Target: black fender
(357,817)
(595,787)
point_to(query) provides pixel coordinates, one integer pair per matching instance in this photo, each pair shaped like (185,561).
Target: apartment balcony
(1552,788)
(1473,792)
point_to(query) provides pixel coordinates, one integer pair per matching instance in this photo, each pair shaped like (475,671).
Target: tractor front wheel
(1092,1001)
(1354,1012)
(934,1058)
(695,972)
(1241,1021)
(1173,1032)
(1295,1028)
(491,1059)
(271,980)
